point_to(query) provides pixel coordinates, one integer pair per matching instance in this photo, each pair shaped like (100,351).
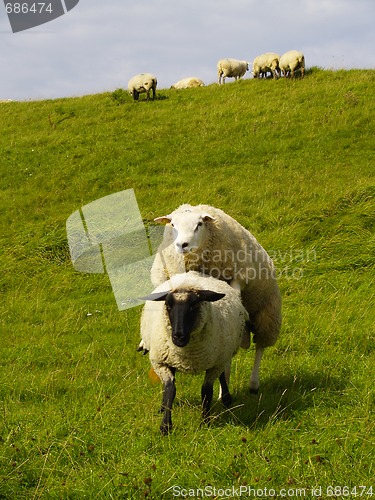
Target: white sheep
(266,62)
(192,324)
(292,61)
(188,83)
(144,82)
(231,68)
(205,239)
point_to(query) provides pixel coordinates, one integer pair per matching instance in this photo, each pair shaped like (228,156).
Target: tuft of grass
(292,160)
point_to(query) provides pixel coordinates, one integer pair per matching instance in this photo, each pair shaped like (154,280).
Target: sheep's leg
(254,377)
(207,393)
(169,394)
(227,378)
(166,375)
(226,397)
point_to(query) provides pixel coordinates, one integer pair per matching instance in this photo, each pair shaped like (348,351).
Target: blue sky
(98,46)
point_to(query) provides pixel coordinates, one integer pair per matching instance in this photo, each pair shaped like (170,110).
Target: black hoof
(206,419)
(227,400)
(165,429)
(142,350)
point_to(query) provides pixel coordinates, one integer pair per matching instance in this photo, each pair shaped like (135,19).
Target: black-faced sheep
(205,239)
(142,83)
(231,68)
(192,324)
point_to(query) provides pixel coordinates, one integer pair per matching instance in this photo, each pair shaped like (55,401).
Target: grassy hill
(293,161)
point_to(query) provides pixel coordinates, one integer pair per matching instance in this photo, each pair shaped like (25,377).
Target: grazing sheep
(192,324)
(188,83)
(231,68)
(141,83)
(266,62)
(205,239)
(292,61)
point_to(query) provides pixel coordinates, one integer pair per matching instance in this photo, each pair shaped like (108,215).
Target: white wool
(266,62)
(231,68)
(292,61)
(205,239)
(142,83)
(222,248)
(188,83)
(213,342)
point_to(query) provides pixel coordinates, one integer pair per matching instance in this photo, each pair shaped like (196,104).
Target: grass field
(293,161)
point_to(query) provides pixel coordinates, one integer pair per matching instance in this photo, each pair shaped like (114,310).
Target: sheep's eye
(198,225)
(172,224)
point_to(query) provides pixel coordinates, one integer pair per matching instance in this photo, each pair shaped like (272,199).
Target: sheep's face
(183,312)
(189,230)
(182,309)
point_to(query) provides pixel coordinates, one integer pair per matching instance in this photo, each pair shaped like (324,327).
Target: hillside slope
(293,161)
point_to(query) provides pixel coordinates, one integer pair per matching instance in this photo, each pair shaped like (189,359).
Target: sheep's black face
(182,310)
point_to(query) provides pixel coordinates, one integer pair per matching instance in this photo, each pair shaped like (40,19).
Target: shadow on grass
(280,399)
(121,96)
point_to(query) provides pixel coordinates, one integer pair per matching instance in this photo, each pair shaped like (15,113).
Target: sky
(100,44)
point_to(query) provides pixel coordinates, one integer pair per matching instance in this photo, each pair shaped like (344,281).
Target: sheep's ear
(157,296)
(163,220)
(207,218)
(209,295)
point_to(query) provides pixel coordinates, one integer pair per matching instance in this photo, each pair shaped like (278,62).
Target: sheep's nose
(182,246)
(180,339)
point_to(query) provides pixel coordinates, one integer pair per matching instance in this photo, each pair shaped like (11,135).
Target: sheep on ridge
(266,62)
(192,324)
(231,68)
(188,83)
(142,83)
(205,239)
(292,61)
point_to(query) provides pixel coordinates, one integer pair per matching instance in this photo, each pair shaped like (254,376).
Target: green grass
(293,161)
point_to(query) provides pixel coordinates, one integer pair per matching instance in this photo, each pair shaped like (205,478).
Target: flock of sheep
(270,62)
(215,284)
